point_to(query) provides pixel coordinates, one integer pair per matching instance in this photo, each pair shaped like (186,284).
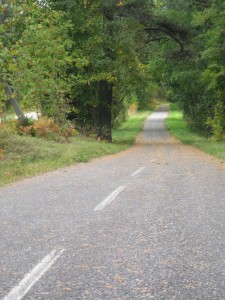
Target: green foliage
(35,57)
(107,48)
(26,122)
(218,122)
(180,129)
(127,132)
(90,60)
(46,128)
(23,156)
(2,99)
(194,77)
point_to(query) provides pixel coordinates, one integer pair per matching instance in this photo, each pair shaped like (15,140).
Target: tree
(99,54)
(110,56)
(36,57)
(5,11)
(193,74)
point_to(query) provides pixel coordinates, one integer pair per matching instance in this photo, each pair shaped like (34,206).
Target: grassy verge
(178,127)
(26,156)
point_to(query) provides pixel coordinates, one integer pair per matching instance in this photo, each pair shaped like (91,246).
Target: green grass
(26,156)
(179,128)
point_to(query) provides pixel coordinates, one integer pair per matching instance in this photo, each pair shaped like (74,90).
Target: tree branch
(168,33)
(154,40)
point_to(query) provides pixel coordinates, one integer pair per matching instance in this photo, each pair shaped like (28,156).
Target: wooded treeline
(88,60)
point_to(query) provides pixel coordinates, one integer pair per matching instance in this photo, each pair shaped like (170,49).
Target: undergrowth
(179,128)
(24,156)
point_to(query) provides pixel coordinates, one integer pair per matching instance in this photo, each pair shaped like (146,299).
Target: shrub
(68,130)
(48,129)
(217,123)
(26,122)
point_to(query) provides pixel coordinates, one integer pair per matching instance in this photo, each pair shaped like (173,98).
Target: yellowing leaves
(121,3)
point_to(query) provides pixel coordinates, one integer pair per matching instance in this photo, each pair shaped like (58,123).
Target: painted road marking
(110,198)
(31,278)
(137,172)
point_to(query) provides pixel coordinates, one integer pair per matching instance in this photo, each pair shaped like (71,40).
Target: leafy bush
(68,130)
(48,129)
(217,123)
(26,122)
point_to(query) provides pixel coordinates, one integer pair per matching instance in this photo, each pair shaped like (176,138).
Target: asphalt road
(148,223)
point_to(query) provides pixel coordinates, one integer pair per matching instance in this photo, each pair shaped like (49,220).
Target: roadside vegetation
(88,61)
(22,156)
(82,64)
(179,128)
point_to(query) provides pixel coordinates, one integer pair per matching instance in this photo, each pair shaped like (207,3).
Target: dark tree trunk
(104,111)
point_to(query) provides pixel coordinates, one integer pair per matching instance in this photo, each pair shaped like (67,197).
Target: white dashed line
(137,172)
(110,198)
(31,278)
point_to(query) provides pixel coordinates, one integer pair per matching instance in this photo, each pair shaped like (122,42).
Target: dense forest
(87,61)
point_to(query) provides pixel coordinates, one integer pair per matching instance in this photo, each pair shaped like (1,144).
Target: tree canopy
(88,60)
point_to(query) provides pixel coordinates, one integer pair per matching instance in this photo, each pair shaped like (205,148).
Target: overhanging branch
(168,33)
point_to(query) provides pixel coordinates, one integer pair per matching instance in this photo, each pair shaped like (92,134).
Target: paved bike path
(144,224)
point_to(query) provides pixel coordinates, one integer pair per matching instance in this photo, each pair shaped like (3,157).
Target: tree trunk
(14,103)
(104,111)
